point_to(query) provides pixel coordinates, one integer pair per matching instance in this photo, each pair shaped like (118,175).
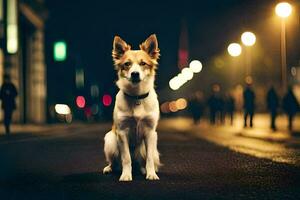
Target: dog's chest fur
(136,117)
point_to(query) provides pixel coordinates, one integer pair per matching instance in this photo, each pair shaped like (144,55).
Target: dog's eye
(143,63)
(127,64)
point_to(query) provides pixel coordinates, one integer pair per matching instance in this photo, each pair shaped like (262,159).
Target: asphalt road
(66,163)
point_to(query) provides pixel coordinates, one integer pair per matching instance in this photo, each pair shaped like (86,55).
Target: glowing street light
(196,66)
(234,49)
(187,73)
(248,38)
(283,10)
(174,83)
(181,79)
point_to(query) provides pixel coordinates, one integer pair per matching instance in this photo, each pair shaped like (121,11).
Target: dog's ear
(151,46)
(119,48)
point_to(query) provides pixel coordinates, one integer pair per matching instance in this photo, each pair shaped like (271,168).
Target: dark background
(89,26)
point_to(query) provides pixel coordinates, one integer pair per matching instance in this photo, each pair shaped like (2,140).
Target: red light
(80,101)
(106,100)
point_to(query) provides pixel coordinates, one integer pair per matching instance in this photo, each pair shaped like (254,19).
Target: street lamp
(234,49)
(196,66)
(187,73)
(248,39)
(283,10)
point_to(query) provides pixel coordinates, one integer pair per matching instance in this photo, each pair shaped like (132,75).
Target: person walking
(214,103)
(290,106)
(196,106)
(272,104)
(8,93)
(249,105)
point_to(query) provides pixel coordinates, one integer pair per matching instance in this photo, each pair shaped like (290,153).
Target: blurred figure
(196,106)
(8,94)
(290,106)
(212,104)
(230,107)
(272,104)
(249,105)
(215,104)
(221,108)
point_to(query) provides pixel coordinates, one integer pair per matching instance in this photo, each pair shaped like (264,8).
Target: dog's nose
(135,75)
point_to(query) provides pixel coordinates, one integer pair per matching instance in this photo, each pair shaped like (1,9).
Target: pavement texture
(65,162)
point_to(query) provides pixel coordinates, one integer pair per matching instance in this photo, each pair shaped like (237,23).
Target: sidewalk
(260,130)
(259,141)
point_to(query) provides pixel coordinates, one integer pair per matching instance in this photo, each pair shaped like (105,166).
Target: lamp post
(283,10)
(234,50)
(248,39)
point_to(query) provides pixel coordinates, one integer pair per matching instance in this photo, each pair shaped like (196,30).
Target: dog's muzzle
(135,77)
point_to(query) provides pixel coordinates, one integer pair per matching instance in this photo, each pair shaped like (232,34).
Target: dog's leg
(140,156)
(151,147)
(110,150)
(125,157)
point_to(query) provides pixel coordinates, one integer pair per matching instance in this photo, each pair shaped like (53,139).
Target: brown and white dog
(136,112)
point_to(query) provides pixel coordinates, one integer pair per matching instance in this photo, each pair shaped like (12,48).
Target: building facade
(22,56)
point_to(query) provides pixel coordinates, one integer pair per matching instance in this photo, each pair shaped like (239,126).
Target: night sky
(89,26)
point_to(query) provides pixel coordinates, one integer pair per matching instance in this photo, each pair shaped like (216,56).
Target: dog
(133,137)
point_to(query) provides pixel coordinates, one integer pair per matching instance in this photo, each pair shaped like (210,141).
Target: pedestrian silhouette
(196,106)
(272,104)
(290,106)
(215,104)
(230,107)
(8,94)
(221,108)
(249,105)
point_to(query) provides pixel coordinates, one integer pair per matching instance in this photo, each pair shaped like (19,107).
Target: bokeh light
(182,79)
(181,103)
(60,51)
(283,9)
(80,101)
(165,107)
(187,73)
(174,83)
(62,109)
(195,66)
(172,106)
(248,38)
(106,100)
(234,49)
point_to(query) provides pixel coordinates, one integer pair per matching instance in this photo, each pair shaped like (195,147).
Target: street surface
(200,162)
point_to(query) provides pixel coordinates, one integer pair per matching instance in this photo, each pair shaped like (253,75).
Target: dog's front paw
(107,169)
(126,177)
(152,176)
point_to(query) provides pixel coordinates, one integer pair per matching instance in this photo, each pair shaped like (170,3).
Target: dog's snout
(135,75)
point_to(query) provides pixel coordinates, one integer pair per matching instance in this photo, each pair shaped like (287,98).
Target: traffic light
(80,101)
(106,100)
(60,51)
